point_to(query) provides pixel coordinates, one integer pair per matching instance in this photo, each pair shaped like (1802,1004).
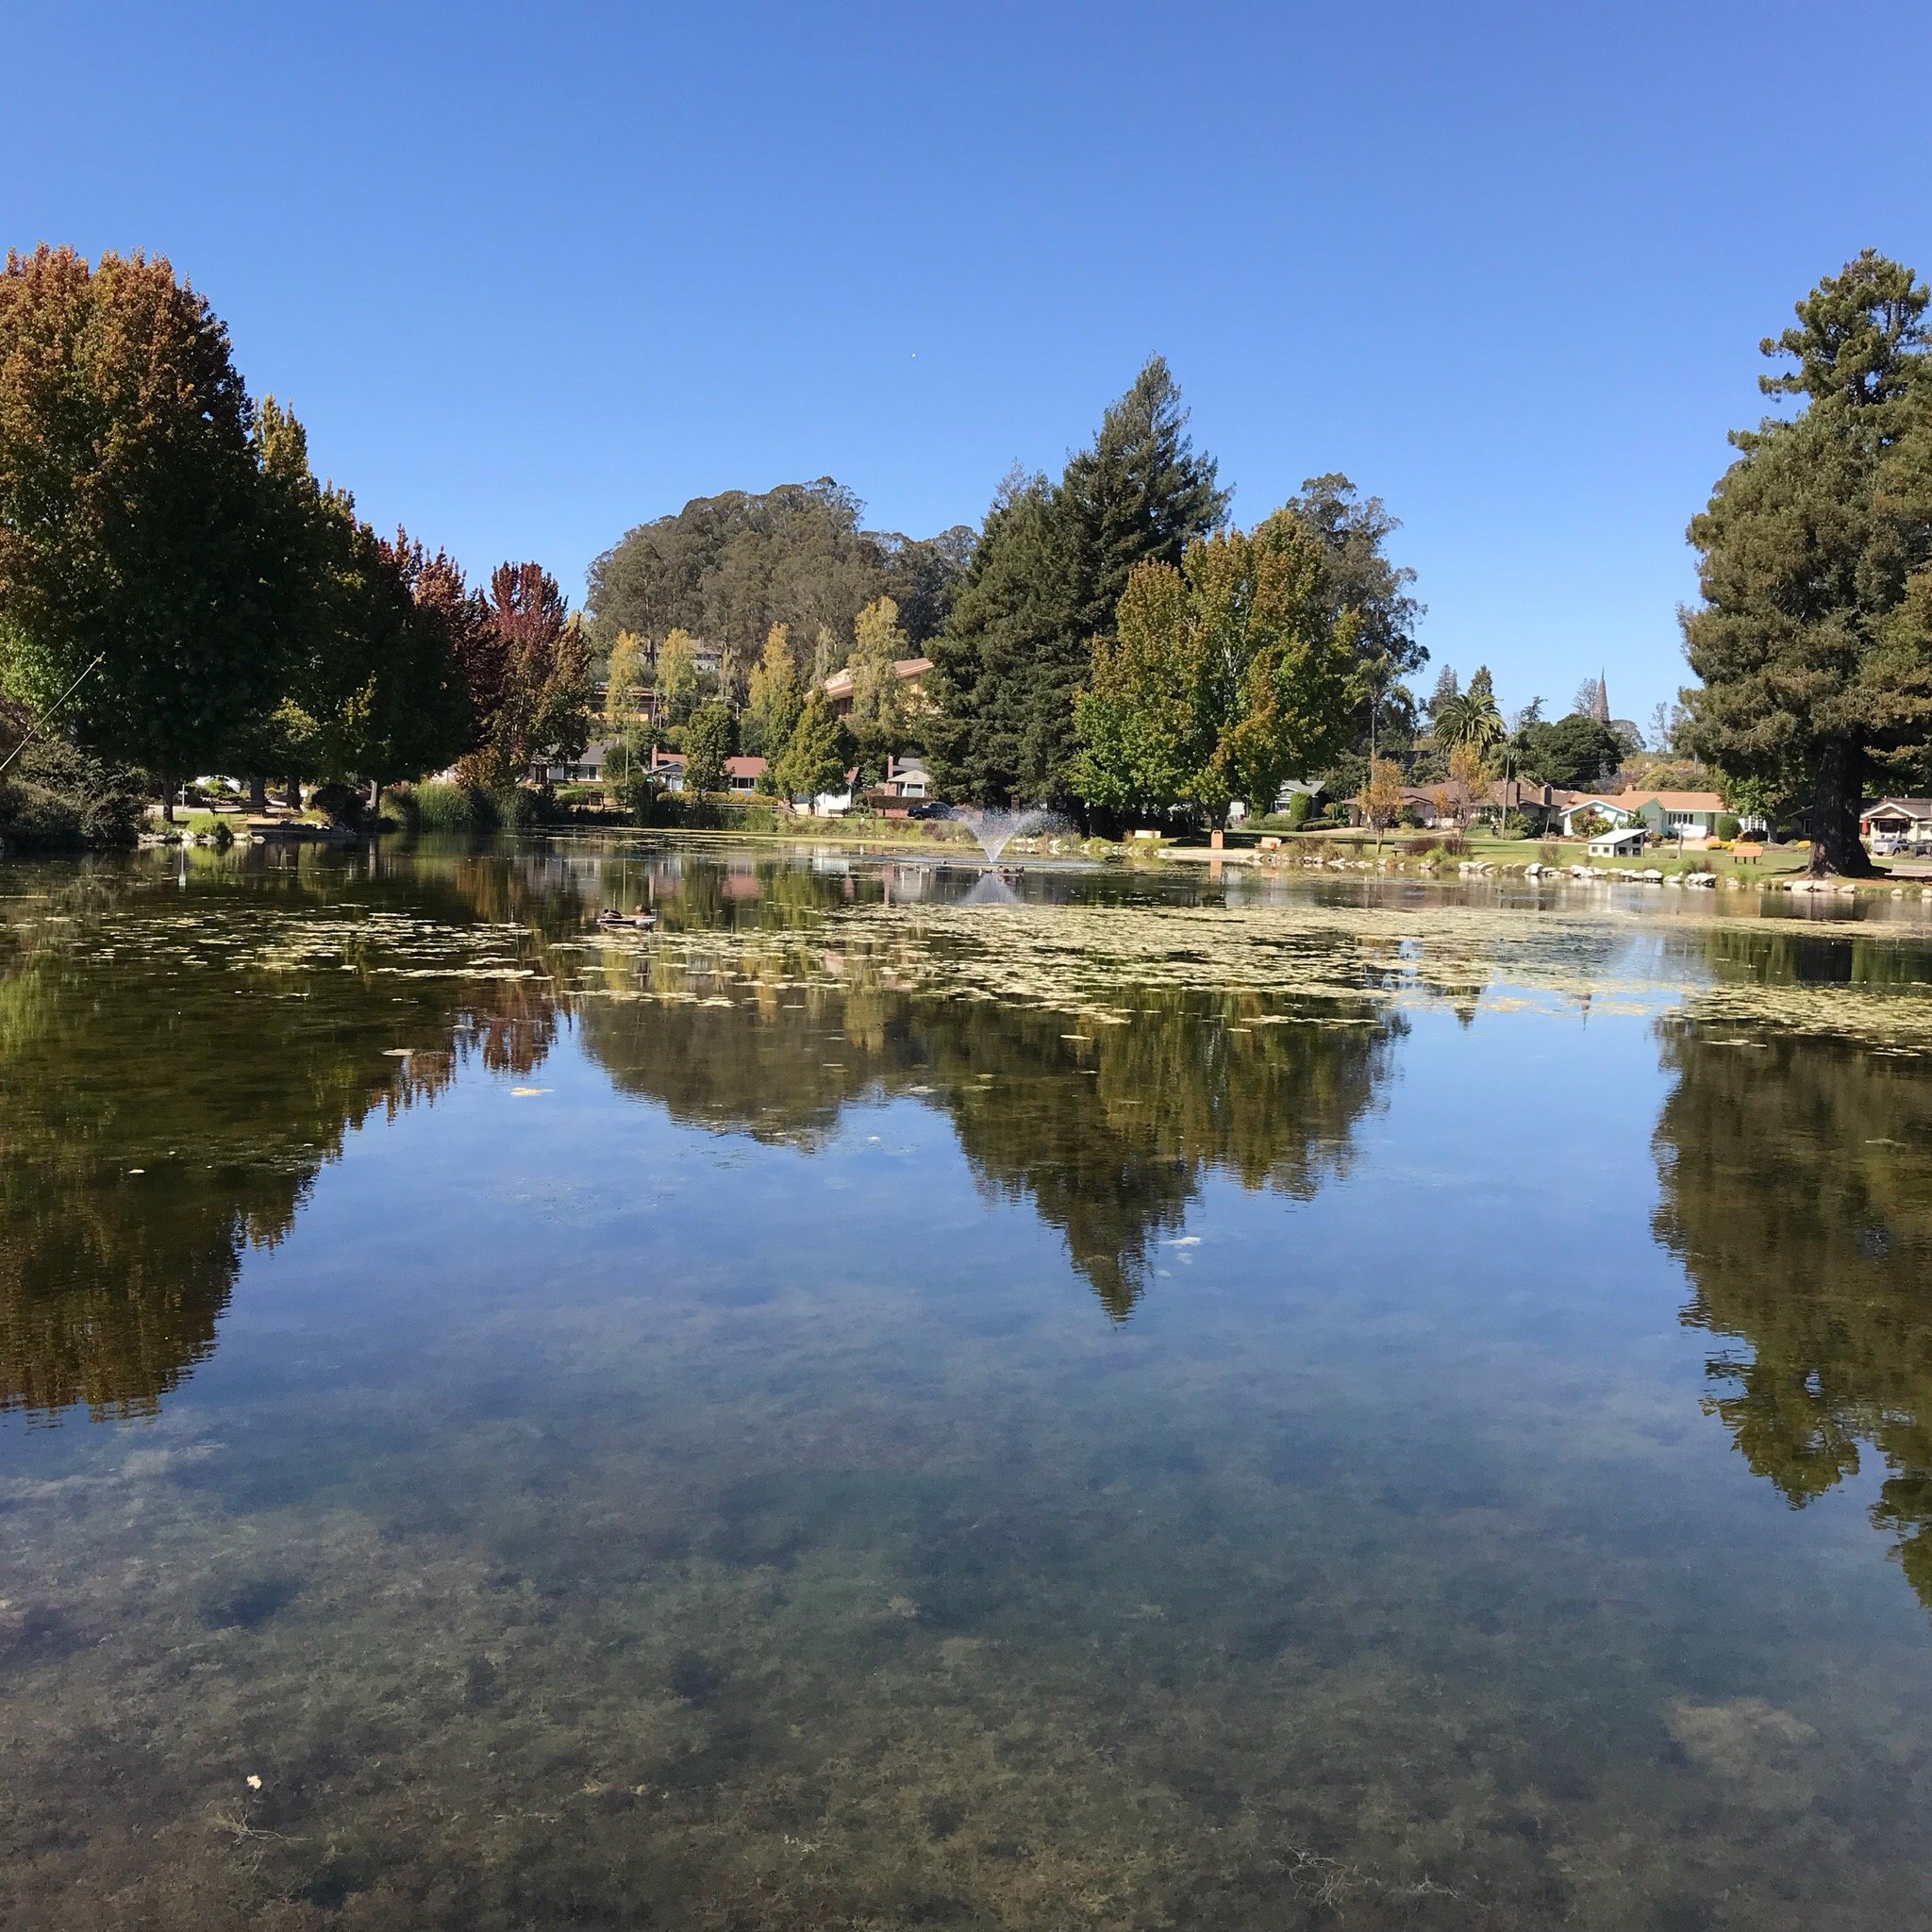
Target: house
(1908,821)
(1620,842)
(1582,805)
(910,671)
(831,804)
(1529,798)
(585,768)
(742,775)
(1309,788)
(906,779)
(1689,817)
(667,768)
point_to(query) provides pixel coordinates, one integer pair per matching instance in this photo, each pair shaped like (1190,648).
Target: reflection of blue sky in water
(707,1485)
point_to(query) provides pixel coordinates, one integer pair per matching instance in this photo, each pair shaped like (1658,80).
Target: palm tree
(1471,729)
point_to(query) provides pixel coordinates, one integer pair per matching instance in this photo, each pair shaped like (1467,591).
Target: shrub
(1549,852)
(35,819)
(440,807)
(1727,826)
(55,796)
(341,804)
(1299,806)
(519,808)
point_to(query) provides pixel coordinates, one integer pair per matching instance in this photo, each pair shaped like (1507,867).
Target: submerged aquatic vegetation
(674,1488)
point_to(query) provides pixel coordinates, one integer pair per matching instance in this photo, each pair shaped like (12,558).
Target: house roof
(1671,801)
(744,767)
(839,683)
(1911,807)
(1618,835)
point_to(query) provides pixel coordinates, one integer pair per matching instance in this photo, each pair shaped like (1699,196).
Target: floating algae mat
(1153,1405)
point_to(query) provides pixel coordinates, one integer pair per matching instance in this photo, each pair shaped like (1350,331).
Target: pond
(898,1398)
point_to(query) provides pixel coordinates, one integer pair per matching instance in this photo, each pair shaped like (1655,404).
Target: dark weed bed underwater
(882,1404)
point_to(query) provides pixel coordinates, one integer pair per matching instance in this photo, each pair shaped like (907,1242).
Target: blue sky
(531,275)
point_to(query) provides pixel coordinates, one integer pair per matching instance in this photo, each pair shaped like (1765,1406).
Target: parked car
(931,809)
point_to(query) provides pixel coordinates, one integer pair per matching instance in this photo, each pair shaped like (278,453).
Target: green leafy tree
(727,568)
(1471,718)
(1814,555)
(707,745)
(814,758)
(1358,576)
(133,520)
(1225,678)
(1574,753)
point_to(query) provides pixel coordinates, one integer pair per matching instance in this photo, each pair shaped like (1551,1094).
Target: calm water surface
(892,1401)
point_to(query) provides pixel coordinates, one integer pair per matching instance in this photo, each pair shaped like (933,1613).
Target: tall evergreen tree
(1814,555)
(1013,609)
(1046,581)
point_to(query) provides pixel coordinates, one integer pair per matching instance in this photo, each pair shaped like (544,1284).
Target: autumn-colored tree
(828,654)
(1381,796)
(678,679)
(1469,773)
(626,680)
(879,718)
(544,704)
(133,524)
(773,699)
(1223,678)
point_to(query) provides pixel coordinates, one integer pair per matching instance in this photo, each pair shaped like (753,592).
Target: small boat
(641,920)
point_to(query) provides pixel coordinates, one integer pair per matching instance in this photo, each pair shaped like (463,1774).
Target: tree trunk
(375,796)
(167,800)
(291,794)
(258,795)
(1836,847)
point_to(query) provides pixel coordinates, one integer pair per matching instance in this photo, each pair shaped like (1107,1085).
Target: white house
(1898,821)
(585,770)
(1580,804)
(1620,842)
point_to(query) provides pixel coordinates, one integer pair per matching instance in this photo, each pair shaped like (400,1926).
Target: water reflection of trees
(1797,1190)
(1106,1126)
(180,1055)
(156,1124)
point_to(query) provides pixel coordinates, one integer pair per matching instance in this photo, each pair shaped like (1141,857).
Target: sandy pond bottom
(1133,1408)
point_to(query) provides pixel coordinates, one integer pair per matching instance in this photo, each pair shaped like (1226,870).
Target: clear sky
(533,274)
